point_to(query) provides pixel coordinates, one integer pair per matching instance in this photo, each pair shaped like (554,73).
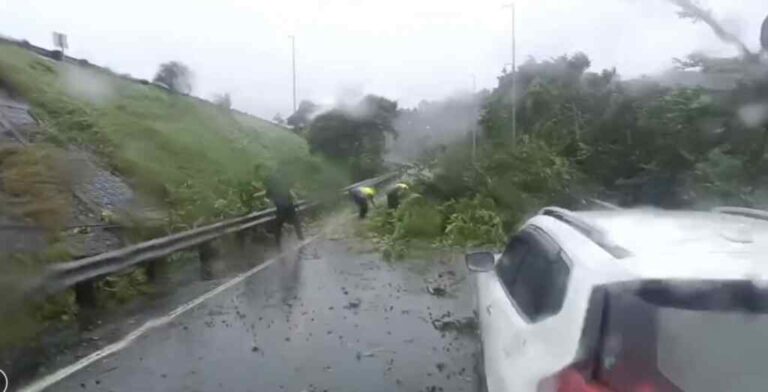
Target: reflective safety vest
(367,191)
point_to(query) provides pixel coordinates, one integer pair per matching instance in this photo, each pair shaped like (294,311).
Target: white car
(627,300)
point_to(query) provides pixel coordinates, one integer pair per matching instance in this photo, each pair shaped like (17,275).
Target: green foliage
(517,177)
(355,137)
(473,222)
(582,133)
(119,289)
(636,139)
(418,218)
(465,223)
(195,157)
(35,185)
(672,131)
(176,76)
(302,117)
(721,177)
(548,96)
(381,226)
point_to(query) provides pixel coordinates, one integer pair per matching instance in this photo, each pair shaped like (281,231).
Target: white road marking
(62,373)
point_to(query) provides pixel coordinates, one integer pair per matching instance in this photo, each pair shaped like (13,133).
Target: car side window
(509,262)
(535,274)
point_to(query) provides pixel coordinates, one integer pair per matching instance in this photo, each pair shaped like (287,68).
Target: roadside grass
(203,162)
(198,161)
(35,185)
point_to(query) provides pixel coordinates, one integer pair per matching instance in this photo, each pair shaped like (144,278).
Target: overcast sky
(407,50)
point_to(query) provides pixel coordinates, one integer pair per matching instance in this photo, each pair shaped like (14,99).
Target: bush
(517,178)
(473,222)
(417,218)
(721,177)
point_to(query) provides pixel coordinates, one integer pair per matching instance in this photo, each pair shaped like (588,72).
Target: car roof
(668,244)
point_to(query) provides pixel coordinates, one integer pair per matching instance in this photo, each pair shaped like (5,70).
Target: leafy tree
(176,76)
(542,87)
(303,115)
(689,9)
(583,133)
(355,136)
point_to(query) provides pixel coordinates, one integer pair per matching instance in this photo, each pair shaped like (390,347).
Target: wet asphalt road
(323,318)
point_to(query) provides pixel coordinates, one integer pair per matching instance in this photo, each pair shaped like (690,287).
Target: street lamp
(293,66)
(475,126)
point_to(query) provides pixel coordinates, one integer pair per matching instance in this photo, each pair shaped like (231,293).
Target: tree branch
(693,11)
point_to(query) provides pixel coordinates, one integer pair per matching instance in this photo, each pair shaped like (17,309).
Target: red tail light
(571,380)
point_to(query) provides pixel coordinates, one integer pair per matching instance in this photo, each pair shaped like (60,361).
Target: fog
(406,51)
(433,124)
(88,85)
(754,115)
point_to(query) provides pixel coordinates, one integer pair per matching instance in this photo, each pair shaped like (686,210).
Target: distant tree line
(645,141)
(352,136)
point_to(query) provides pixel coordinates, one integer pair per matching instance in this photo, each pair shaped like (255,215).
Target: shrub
(417,218)
(473,222)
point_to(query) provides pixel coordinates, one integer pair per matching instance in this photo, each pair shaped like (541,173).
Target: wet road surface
(323,318)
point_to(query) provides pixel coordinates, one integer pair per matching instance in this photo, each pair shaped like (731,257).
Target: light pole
(293,65)
(475,126)
(514,74)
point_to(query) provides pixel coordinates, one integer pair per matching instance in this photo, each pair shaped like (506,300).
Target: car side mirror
(480,261)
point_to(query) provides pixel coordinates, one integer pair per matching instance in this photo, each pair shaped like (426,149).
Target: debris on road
(466,325)
(371,353)
(443,284)
(400,340)
(437,291)
(355,304)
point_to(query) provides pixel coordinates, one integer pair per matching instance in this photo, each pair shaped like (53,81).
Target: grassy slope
(195,157)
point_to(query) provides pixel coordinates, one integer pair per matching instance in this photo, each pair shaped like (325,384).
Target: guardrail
(82,274)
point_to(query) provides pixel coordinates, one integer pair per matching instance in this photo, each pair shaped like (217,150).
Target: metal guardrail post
(85,294)
(241,238)
(157,270)
(207,253)
(83,273)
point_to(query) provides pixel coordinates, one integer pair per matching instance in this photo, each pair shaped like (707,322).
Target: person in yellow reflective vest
(362,195)
(395,194)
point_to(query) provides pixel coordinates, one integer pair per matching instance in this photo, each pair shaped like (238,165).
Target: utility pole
(514,74)
(293,63)
(474,127)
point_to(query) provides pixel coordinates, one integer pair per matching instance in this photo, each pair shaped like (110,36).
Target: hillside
(197,161)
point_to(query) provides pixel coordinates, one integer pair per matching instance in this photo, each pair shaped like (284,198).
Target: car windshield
(253,195)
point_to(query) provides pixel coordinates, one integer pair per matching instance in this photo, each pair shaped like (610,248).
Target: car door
(527,287)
